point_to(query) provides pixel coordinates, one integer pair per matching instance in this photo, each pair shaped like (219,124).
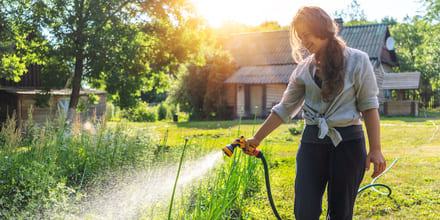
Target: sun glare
(217,12)
(255,12)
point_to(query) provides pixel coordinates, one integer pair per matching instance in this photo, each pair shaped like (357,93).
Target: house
(265,65)
(21,97)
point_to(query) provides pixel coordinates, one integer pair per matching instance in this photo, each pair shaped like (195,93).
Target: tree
(353,14)
(153,96)
(114,44)
(433,10)
(200,89)
(268,26)
(389,20)
(418,50)
(21,44)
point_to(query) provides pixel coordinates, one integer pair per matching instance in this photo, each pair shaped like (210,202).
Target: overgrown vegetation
(48,166)
(53,166)
(143,112)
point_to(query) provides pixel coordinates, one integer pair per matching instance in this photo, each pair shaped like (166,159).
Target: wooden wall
(379,72)
(274,94)
(265,96)
(29,79)
(401,108)
(256,100)
(231,98)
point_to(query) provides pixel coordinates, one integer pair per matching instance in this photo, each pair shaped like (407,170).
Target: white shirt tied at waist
(359,94)
(324,129)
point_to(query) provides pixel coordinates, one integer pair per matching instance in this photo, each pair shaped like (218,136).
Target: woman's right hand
(252,142)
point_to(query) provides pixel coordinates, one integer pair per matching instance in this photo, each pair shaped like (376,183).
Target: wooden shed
(402,103)
(265,64)
(20,97)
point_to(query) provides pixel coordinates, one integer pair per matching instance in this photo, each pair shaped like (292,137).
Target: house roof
(407,80)
(260,48)
(273,48)
(262,74)
(368,38)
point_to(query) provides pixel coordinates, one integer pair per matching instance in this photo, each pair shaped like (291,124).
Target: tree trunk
(76,84)
(79,59)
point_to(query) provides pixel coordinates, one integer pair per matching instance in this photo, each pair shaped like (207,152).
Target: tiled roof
(260,48)
(408,80)
(262,74)
(260,55)
(273,48)
(369,38)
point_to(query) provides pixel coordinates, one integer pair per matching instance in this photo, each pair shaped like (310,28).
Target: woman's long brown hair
(332,62)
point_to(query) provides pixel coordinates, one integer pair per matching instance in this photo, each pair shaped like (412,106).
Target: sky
(255,12)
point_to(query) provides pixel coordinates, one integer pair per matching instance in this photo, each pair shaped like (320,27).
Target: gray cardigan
(359,94)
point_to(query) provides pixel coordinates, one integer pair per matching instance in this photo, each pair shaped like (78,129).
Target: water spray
(241,143)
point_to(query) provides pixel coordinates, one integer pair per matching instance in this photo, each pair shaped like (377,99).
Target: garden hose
(241,143)
(269,193)
(373,184)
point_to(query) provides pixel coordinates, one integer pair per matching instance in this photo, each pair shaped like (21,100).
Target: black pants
(341,167)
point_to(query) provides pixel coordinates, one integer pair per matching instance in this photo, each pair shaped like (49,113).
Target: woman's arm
(372,124)
(271,123)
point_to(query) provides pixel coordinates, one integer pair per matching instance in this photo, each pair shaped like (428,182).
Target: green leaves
(418,50)
(433,10)
(19,51)
(120,46)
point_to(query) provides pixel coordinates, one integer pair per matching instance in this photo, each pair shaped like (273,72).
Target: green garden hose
(269,193)
(373,184)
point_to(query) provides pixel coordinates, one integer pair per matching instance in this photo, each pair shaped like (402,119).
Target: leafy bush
(141,113)
(174,109)
(297,128)
(162,112)
(200,90)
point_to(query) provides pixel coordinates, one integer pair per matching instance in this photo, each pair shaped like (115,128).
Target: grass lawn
(414,180)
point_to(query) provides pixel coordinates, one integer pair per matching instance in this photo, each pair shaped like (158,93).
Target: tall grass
(220,195)
(44,167)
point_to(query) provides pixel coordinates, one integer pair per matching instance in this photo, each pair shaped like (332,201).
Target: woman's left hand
(379,162)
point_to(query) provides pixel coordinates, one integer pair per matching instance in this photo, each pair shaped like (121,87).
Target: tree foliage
(122,46)
(21,44)
(433,10)
(200,90)
(353,14)
(419,50)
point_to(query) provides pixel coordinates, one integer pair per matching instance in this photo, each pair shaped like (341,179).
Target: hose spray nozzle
(241,143)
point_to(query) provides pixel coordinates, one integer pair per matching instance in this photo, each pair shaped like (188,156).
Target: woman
(335,85)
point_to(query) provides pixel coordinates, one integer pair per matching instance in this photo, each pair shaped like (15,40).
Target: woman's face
(312,43)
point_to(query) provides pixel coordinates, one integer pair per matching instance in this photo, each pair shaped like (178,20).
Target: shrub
(141,113)
(162,112)
(174,109)
(297,128)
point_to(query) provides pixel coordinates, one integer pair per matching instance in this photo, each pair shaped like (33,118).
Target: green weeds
(45,167)
(52,166)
